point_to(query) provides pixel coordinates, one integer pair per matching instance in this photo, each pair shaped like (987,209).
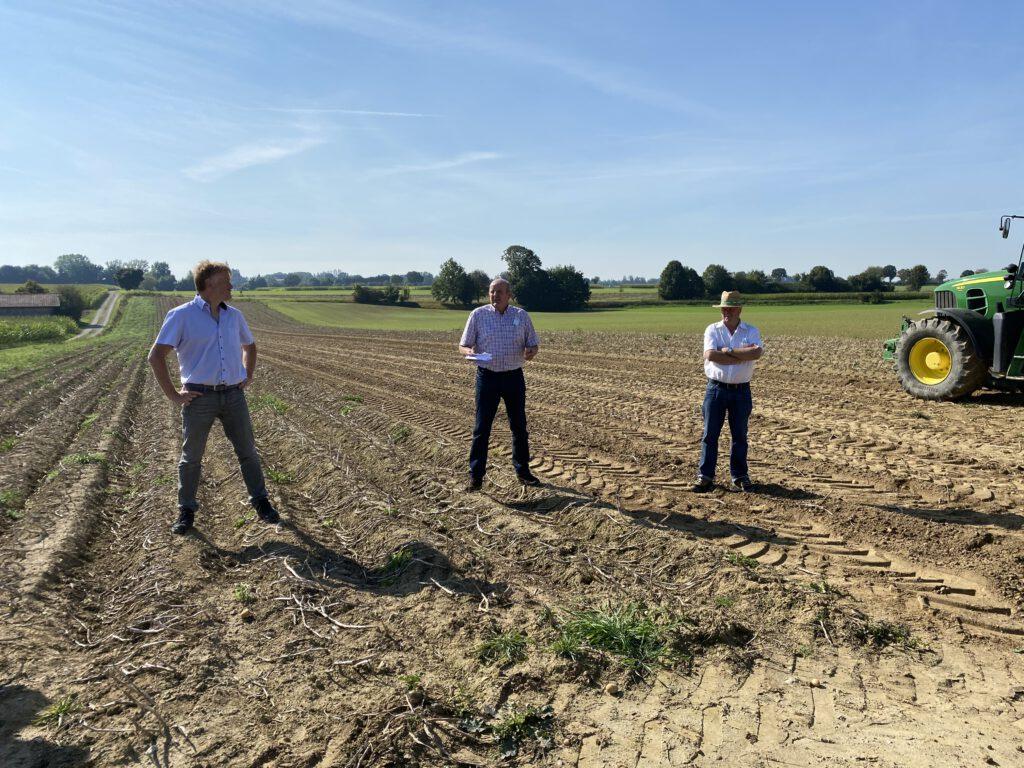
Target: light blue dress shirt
(209,350)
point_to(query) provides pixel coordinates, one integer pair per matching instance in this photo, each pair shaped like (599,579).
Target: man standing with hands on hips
(217,358)
(730,349)
(499,338)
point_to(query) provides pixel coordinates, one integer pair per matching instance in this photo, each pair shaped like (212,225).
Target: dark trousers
(196,420)
(720,403)
(492,387)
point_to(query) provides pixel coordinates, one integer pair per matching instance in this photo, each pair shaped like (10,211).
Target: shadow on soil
(408,569)
(19,705)
(959,516)
(1011,399)
(551,498)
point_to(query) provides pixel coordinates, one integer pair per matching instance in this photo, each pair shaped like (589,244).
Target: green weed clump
(741,560)
(279,477)
(882,634)
(518,725)
(54,714)
(263,402)
(11,500)
(243,594)
(411,682)
(84,458)
(399,433)
(396,563)
(502,648)
(636,636)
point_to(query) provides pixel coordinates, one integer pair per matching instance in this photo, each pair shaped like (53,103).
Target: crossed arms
(744,354)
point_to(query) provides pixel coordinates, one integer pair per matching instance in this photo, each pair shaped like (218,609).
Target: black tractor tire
(967,372)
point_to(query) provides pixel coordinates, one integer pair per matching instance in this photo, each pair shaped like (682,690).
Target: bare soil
(863,607)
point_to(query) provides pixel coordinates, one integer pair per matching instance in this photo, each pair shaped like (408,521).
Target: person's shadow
(410,567)
(19,706)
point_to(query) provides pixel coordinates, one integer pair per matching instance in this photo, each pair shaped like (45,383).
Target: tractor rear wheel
(936,360)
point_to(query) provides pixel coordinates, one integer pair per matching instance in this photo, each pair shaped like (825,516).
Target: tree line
(140,274)
(681,282)
(559,289)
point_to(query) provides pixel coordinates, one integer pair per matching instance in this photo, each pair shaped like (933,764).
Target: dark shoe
(702,486)
(743,484)
(528,478)
(265,511)
(475,484)
(184,522)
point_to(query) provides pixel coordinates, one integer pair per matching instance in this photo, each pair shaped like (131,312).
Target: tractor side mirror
(1004,226)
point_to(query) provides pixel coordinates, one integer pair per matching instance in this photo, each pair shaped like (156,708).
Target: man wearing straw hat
(730,349)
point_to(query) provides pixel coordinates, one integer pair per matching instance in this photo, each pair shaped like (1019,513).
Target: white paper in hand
(480,357)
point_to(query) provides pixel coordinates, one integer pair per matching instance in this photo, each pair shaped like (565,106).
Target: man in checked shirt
(507,334)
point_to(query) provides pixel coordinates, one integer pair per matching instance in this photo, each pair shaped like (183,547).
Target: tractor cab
(973,337)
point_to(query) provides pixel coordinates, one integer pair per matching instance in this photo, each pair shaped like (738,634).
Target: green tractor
(971,339)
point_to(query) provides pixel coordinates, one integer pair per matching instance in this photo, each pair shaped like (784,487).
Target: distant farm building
(28,304)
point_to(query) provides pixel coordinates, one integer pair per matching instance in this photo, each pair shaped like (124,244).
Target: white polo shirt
(717,336)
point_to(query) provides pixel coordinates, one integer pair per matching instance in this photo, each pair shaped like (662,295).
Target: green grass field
(863,321)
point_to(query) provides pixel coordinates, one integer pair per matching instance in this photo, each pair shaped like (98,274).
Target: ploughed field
(862,608)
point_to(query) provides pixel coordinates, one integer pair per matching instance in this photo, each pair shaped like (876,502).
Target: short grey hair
(501,281)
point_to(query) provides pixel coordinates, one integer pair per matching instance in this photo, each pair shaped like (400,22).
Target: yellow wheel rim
(930,361)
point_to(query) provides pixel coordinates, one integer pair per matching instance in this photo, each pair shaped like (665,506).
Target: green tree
(72,302)
(823,279)
(452,285)
(292,279)
(30,286)
(779,274)
(481,283)
(76,268)
(871,279)
(258,282)
(521,262)
(716,279)
(967,273)
(129,278)
(754,281)
(914,277)
(889,272)
(162,279)
(572,290)
(679,282)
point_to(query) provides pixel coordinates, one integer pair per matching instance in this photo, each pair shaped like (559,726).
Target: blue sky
(389,136)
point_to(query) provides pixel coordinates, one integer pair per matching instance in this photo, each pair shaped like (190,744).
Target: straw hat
(730,299)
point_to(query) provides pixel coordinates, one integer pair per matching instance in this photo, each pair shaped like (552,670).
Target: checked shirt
(504,335)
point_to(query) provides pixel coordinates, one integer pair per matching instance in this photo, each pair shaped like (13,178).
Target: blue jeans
(719,403)
(196,420)
(491,388)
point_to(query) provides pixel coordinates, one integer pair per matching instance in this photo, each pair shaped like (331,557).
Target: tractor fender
(977,327)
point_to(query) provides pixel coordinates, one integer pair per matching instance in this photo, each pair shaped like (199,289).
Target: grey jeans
(196,420)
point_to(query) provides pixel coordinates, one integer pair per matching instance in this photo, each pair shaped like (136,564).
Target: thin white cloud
(248,155)
(334,111)
(466,158)
(407,32)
